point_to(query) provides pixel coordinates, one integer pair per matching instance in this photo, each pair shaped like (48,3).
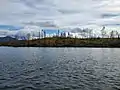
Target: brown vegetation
(65,42)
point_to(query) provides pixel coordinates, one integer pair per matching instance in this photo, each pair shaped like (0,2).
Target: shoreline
(66,46)
(66,42)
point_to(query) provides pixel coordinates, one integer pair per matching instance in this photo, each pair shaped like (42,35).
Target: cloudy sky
(15,14)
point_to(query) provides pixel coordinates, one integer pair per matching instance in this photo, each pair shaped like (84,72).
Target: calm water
(59,68)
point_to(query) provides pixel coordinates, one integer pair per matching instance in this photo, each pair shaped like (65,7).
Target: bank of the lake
(65,42)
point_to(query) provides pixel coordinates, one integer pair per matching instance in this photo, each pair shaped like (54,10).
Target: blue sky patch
(52,31)
(9,27)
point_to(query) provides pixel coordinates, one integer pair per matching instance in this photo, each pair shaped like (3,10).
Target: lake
(34,68)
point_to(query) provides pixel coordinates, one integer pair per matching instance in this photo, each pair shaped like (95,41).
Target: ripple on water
(59,69)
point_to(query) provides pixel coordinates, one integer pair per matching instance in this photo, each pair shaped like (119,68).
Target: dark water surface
(59,68)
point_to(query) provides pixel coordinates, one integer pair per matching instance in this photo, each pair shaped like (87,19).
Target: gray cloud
(42,24)
(68,11)
(112,24)
(64,13)
(109,15)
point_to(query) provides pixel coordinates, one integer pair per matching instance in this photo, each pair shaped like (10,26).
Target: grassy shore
(65,42)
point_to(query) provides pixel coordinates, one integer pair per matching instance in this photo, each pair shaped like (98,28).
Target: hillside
(7,39)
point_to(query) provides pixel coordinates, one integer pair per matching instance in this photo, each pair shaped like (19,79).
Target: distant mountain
(7,39)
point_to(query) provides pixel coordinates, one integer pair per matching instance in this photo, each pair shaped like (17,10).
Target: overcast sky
(60,13)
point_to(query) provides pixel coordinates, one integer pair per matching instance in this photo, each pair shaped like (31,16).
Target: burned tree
(103,32)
